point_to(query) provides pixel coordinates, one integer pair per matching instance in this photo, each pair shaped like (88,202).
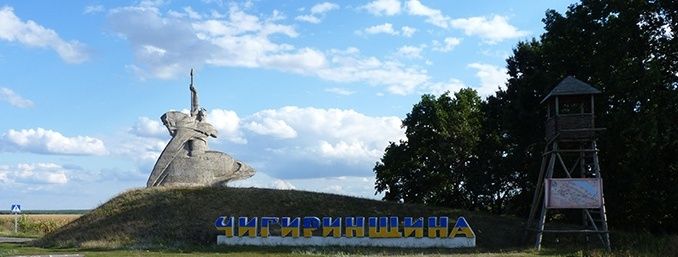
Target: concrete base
(409,242)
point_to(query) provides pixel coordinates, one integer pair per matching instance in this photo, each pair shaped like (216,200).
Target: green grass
(180,217)
(14,249)
(178,222)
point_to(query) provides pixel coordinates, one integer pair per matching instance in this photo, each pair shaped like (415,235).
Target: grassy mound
(185,216)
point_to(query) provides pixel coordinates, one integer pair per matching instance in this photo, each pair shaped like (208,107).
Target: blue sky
(307,92)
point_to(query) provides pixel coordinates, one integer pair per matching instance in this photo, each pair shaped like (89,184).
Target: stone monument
(186,160)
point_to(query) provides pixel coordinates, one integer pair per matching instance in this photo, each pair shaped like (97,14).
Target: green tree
(432,164)
(490,159)
(629,50)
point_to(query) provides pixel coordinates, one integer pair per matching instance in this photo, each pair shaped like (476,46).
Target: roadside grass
(14,249)
(11,249)
(624,245)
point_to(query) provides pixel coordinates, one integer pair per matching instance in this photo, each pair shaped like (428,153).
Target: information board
(574,193)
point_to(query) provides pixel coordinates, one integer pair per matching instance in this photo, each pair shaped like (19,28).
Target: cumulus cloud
(492,30)
(283,184)
(143,150)
(288,142)
(14,99)
(439,88)
(317,12)
(491,78)
(383,7)
(331,133)
(147,127)
(448,44)
(165,46)
(357,186)
(32,34)
(45,141)
(227,124)
(433,16)
(408,31)
(34,173)
(308,18)
(386,28)
(350,66)
(270,127)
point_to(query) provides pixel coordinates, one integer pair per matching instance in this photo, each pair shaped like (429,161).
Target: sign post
(16,209)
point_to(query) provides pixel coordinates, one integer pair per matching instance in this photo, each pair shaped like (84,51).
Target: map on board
(573,193)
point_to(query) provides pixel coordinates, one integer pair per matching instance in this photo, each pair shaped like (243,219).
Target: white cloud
(283,185)
(491,31)
(349,66)
(263,124)
(91,9)
(275,16)
(357,186)
(143,150)
(453,85)
(448,44)
(383,7)
(347,150)
(47,141)
(166,46)
(411,52)
(192,13)
(30,33)
(34,173)
(227,124)
(323,8)
(339,91)
(328,133)
(386,28)
(288,142)
(433,16)
(153,50)
(317,12)
(408,31)
(304,61)
(491,78)
(308,18)
(146,127)
(14,99)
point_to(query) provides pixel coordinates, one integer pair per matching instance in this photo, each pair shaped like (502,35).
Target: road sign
(16,208)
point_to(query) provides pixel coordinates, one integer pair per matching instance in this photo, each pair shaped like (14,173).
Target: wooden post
(549,174)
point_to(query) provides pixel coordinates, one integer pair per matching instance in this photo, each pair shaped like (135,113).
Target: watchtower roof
(571,86)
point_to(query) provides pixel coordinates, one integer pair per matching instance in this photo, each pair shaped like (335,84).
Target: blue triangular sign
(461,223)
(16,208)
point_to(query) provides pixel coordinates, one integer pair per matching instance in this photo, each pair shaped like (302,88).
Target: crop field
(34,225)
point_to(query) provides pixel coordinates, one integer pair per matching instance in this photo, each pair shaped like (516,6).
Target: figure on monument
(186,159)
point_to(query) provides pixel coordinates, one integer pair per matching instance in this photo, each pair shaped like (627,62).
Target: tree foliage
(629,50)
(440,156)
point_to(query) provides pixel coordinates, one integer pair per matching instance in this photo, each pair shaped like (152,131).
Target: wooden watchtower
(570,135)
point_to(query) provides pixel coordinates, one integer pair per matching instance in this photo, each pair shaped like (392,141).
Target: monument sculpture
(186,160)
